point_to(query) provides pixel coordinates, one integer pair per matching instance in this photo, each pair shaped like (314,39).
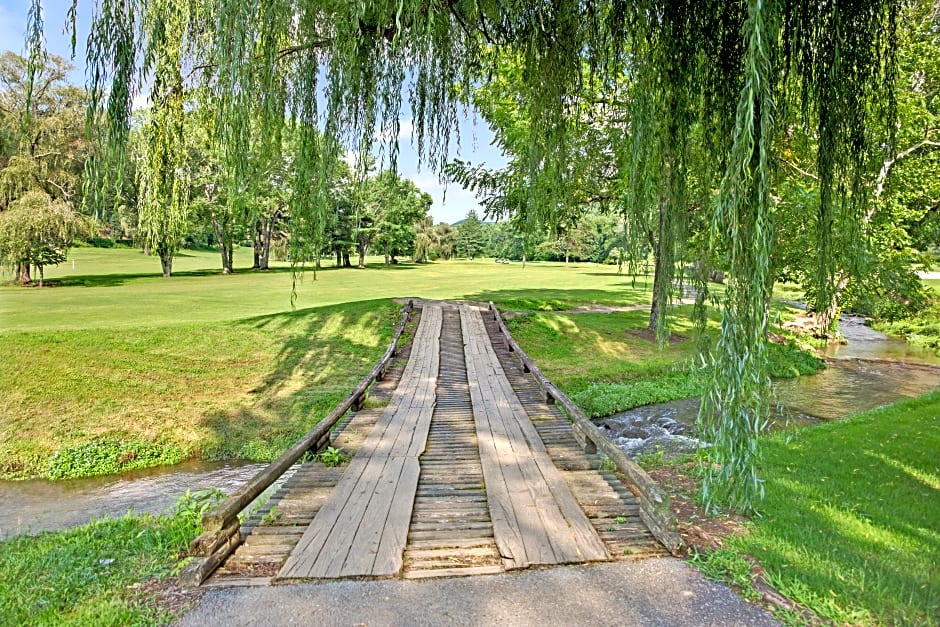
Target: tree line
(722,133)
(45,205)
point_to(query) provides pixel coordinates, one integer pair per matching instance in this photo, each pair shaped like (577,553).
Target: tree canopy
(715,86)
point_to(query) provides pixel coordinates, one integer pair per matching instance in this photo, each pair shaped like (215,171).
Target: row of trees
(681,116)
(44,206)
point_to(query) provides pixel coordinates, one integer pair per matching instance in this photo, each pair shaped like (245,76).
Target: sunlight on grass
(849,523)
(208,389)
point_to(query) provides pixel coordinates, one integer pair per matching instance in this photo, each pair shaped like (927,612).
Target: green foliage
(104,457)
(332,457)
(86,575)
(471,240)
(605,399)
(730,567)
(920,329)
(839,543)
(734,74)
(38,231)
(788,360)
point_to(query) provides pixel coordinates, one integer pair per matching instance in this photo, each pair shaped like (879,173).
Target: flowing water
(868,371)
(39,505)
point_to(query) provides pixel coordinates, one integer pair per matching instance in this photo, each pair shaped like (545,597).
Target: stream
(38,505)
(868,371)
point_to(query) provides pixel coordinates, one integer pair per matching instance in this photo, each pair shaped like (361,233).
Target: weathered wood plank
(536,520)
(362,527)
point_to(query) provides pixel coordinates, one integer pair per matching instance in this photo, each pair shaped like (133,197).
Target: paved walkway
(662,591)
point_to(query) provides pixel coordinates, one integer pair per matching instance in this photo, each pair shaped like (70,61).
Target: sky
(451,202)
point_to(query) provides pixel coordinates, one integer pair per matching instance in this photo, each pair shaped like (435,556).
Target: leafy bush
(102,457)
(788,360)
(599,400)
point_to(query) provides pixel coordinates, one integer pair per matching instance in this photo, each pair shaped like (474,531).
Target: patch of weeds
(103,457)
(604,399)
(621,520)
(606,463)
(332,457)
(652,459)
(727,567)
(271,517)
(94,574)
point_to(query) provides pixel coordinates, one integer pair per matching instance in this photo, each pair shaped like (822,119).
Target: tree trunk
(225,247)
(346,262)
(267,234)
(166,262)
(339,257)
(387,260)
(41,274)
(363,248)
(257,244)
(22,274)
(663,269)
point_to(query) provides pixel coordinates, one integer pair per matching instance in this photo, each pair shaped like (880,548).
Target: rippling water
(39,505)
(869,371)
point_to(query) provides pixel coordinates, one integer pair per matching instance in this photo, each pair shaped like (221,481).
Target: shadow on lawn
(322,355)
(119,279)
(620,295)
(856,561)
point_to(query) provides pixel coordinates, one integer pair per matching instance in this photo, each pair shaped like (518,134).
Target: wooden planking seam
(565,533)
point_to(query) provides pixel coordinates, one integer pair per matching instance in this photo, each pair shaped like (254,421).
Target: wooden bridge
(470,467)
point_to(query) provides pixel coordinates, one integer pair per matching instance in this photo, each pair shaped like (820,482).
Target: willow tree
(738,72)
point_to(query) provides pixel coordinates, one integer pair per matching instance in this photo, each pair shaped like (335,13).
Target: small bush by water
(608,363)
(103,457)
(97,574)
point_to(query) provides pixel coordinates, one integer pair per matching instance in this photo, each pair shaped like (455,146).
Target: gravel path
(662,591)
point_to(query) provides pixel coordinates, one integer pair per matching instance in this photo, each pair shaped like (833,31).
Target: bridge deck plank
(536,520)
(362,528)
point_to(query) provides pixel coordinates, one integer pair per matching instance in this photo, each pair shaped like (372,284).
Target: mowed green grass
(230,389)
(121,288)
(610,362)
(121,362)
(850,525)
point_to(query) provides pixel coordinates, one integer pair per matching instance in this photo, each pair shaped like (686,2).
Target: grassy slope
(244,388)
(210,365)
(850,525)
(609,363)
(92,575)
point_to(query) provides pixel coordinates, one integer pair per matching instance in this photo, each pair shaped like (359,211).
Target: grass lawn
(79,402)
(121,288)
(609,363)
(850,526)
(109,572)
(118,368)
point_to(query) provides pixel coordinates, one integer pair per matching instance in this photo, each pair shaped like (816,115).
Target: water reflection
(39,505)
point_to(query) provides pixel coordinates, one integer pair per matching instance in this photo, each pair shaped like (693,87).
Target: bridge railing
(655,510)
(221,525)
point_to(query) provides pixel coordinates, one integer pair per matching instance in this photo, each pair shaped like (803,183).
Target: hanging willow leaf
(710,83)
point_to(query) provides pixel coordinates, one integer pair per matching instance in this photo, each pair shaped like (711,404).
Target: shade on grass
(243,389)
(112,289)
(850,525)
